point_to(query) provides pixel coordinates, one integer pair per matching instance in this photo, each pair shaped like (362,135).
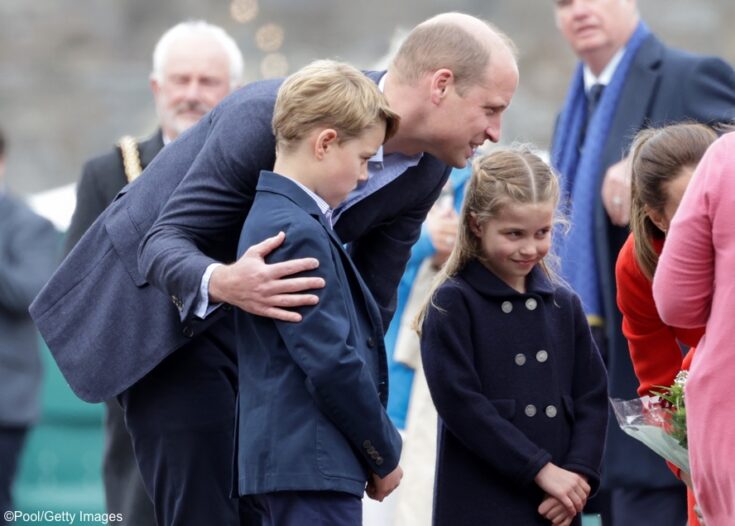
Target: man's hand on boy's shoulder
(264,289)
(378,489)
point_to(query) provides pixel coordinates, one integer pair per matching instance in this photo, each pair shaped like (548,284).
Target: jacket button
(531,304)
(371,342)
(530,410)
(506,307)
(379,461)
(550,411)
(367,444)
(520,359)
(188,331)
(542,356)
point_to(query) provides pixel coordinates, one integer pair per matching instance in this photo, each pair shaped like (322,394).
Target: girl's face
(514,241)
(674,190)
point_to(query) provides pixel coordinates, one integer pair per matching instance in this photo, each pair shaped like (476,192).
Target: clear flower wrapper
(649,420)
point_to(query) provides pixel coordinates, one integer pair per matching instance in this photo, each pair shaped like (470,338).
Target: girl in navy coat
(519,386)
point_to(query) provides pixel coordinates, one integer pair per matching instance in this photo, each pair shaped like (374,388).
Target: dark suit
(105,346)
(663,86)
(29,248)
(102,178)
(330,369)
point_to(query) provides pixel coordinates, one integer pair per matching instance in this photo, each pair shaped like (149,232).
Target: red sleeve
(654,351)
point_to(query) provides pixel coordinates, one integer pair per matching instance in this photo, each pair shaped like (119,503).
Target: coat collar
(488,284)
(278,184)
(149,148)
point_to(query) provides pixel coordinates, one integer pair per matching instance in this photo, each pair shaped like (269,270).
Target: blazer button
(531,304)
(371,342)
(379,461)
(188,331)
(530,410)
(506,307)
(550,411)
(542,356)
(367,444)
(520,359)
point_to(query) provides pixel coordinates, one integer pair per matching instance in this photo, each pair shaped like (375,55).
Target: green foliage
(673,397)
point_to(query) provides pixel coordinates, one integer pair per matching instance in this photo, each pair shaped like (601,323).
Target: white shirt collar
(606,76)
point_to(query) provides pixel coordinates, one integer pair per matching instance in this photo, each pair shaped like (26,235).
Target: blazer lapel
(634,104)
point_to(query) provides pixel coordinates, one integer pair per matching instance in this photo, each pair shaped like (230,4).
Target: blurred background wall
(74,73)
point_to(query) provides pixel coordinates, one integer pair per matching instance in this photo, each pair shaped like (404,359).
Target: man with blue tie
(627,79)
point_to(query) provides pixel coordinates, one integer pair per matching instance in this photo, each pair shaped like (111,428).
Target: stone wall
(74,73)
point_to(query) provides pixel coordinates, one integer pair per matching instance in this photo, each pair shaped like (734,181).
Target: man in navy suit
(627,79)
(111,325)
(195,66)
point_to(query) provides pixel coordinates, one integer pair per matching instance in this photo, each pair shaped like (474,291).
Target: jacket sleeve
(589,394)
(448,357)
(653,347)
(221,158)
(381,254)
(336,376)
(709,89)
(29,250)
(683,285)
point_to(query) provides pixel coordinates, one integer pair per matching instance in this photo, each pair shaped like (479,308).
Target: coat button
(188,331)
(530,410)
(550,411)
(520,359)
(371,342)
(379,461)
(542,356)
(506,307)
(531,304)
(367,444)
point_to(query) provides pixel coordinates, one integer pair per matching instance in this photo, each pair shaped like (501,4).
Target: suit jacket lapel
(634,104)
(150,148)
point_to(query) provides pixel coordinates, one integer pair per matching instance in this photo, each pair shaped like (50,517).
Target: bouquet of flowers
(658,421)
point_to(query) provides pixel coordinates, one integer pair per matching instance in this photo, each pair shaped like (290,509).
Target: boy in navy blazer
(313,429)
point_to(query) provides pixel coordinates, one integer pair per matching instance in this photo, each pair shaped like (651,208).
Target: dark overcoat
(517,383)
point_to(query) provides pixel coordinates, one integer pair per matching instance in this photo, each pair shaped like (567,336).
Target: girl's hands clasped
(568,489)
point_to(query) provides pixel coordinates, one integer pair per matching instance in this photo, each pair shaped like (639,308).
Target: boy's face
(345,164)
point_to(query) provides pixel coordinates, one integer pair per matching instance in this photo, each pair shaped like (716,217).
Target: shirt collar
(606,76)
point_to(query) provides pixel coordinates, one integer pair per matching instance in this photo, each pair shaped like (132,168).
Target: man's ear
(324,140)
(155,86)
(441,81)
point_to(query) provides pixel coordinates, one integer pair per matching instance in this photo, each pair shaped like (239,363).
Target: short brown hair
(658,156)
(330,94)
(442,43)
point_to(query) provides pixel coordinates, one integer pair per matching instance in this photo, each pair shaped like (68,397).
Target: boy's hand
(378,489)
(555,511)
(570,489)
(262,289)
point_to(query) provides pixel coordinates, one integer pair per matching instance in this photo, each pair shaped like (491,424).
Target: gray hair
(202,28)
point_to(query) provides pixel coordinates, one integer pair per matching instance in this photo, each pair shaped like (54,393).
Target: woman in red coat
(662,162)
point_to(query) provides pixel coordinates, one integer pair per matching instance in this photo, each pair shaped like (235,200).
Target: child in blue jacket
(312,425)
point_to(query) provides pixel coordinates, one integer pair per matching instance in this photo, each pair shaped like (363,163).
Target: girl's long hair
(506,176)
(658,156)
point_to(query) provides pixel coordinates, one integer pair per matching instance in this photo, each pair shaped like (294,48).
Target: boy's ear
(324,141)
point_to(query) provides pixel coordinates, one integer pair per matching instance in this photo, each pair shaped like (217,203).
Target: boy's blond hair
(332,95)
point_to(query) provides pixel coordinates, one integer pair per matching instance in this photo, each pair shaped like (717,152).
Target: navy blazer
(664,86)
(103,321)
(517,383)
(312,394)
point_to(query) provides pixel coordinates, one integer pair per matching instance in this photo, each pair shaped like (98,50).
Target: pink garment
(694,285)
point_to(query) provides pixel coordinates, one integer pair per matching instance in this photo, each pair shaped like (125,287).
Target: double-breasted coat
(517,383)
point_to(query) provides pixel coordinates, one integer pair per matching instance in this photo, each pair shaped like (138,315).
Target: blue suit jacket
(664,86)
(312,399)
(103,321)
